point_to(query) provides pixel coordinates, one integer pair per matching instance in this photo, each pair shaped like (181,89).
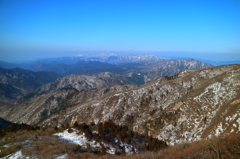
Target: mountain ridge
(189,106)
(17,85)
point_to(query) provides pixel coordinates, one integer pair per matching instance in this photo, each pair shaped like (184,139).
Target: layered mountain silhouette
(19,85)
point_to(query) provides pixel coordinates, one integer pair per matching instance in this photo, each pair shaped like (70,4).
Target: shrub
(70,130)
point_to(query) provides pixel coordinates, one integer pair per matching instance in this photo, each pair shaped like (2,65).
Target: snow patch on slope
(77,138)
(80,139)
(15,155)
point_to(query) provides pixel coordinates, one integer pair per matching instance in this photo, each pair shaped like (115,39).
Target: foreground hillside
(192,105)
(223,147)
(40,143)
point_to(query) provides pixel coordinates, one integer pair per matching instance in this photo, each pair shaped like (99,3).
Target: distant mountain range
(108,58)
(90,64)
(58,64)
(19,84)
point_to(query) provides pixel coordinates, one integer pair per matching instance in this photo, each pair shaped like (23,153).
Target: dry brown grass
(42,144)
(217,148)
(13,142)
(9,150)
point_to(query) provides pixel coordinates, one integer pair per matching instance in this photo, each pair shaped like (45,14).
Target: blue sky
(207,29)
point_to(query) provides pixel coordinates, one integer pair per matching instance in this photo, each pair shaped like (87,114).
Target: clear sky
(207,29)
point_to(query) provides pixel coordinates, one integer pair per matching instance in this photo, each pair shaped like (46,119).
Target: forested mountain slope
(191,105)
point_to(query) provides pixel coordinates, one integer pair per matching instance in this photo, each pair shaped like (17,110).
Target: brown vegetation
(40,144)
(227,147)
(108,132)
(43,144)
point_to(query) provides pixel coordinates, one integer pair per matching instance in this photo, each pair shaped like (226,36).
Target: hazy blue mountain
(4,64)
(45,64)
(84,67)
(17,81)
(4,123)
(108,58)
(8,93)
(68,65)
